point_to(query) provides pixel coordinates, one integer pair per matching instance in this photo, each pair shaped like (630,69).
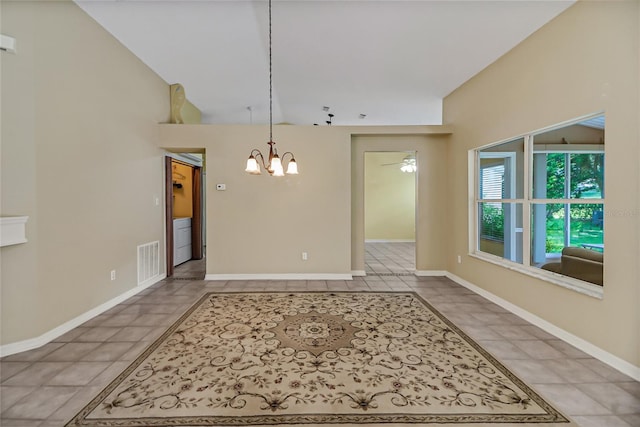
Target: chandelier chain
(270,82)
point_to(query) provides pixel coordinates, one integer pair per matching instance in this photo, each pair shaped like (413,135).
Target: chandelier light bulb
(276,166)
(292,167)
(252,165)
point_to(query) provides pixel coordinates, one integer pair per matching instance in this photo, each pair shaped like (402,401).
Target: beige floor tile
(132,333)
(600,421)
(503,349)
(631,419)
(22,423)
(534,371)
(479,332)
(69,336)
(151,319)
(97,334)
(571,400)
(567,349)
(574,372)
(10,395)
(512,332)
(78,374)
(41,404)
(71,352)
(9,369)
(538,349)
(109,374)
(612,397)
(123,318)
(35,354)
(73,405)
(38,373)
(604,370)
(632,387)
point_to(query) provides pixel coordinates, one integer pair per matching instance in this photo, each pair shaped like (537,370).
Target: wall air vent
(148,262)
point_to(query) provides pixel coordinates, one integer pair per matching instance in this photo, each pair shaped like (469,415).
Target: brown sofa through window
(579,263)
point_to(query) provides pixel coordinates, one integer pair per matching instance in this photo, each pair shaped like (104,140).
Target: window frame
(527,201)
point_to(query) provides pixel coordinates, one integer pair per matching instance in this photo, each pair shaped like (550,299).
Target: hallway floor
(49,385)
(390,258)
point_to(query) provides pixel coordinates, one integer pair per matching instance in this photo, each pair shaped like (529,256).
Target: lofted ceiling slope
(393,61)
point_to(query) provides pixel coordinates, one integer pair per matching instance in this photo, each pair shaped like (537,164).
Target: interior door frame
(410,151)
(168,204)
(197,246)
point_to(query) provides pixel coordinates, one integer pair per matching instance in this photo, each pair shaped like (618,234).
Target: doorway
(185,209)
(390,212)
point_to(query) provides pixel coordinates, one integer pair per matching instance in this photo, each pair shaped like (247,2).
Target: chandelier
(274,164)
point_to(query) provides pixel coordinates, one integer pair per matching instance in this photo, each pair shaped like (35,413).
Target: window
(560,216)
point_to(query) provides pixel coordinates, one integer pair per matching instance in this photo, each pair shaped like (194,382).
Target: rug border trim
(551,411)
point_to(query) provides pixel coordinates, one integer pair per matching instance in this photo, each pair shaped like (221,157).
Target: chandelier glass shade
(273,164)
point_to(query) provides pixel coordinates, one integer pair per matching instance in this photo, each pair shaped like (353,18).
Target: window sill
(576,285)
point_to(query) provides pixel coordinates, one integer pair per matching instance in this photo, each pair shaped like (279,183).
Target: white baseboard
(425,273)
(280,276)
(358,273)
(30,344)
(390,240)
(598,353)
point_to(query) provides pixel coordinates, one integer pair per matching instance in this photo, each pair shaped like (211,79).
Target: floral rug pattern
(315,358)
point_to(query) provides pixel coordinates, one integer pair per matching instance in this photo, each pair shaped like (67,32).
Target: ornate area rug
(305,358)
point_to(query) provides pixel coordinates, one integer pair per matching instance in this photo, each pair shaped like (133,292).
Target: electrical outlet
(113,275)
(459,259)
(305,256)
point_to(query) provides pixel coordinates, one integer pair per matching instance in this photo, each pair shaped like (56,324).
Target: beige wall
(79,157)
(262,224)
(584,61)
(390,198)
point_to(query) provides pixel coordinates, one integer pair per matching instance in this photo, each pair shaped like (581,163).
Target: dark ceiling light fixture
(330,119)
(274,165)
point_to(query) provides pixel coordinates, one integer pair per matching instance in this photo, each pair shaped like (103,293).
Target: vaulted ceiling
(393,61)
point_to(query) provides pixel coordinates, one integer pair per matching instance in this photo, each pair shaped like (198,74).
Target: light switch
(221,187)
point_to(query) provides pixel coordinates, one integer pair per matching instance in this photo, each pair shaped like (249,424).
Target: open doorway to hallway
(390,212)
(185,213)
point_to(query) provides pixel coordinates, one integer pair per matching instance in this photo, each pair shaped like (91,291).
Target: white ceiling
(391,60)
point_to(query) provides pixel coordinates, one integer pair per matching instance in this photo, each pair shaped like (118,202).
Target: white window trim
(509,168)
(473,162)
(567,282)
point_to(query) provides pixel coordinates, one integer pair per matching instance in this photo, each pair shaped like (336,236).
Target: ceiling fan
(408,164)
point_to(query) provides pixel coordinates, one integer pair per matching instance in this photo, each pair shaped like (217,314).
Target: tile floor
(48,385)
(390,258)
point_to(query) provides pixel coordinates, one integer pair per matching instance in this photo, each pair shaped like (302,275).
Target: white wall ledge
(12,230)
